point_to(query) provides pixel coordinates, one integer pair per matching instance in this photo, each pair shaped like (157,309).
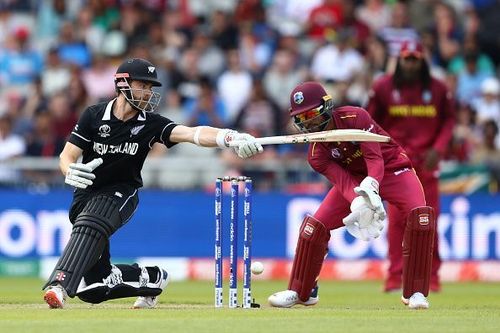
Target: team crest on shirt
(135,130)
(426,96)
(104,131)
(396,96)
(298,97)
(336,153)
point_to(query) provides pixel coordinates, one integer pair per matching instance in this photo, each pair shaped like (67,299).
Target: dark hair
(424,75)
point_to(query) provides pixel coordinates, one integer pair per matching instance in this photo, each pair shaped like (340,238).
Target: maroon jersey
(418,118)
(345,164)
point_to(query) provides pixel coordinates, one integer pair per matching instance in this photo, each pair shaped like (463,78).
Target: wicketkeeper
(114,139)
(362,174)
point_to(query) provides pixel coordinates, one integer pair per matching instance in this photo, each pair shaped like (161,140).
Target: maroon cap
(411,48)
(306,96)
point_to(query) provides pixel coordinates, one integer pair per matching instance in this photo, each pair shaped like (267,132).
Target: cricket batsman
(113,140)
(362,174)
(418,112)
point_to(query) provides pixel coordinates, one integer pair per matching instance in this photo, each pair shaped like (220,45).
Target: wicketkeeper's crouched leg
(312,248)
(123,281)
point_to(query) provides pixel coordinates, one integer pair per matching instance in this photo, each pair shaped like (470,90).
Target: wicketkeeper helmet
(308,103)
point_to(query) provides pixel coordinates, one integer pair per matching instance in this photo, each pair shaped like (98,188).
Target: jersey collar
(107,112)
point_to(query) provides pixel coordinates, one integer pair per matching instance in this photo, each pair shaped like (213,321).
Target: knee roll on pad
(312,247)
(418,245)
(101,212)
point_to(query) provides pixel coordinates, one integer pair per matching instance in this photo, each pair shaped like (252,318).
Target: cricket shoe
(416,301)
(289,298)
(149,302)
(55,296)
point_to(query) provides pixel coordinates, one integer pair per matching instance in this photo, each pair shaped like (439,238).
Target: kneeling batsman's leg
(312,247)
(125,281)
(418,243)
(91,231)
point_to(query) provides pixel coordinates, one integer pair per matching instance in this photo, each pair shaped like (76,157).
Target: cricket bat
(324,136)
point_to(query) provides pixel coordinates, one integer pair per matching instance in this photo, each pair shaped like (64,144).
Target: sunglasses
(309,115)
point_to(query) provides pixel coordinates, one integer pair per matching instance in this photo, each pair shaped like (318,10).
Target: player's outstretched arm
(206,136)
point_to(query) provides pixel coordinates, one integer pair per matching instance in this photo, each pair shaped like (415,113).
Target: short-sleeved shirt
(123,145)
(345,164)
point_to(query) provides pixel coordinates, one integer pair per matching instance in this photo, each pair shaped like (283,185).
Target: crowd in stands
(230,63)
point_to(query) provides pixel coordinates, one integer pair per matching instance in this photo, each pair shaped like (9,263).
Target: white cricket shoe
(416,301)
(289,298)
(149,302)
(55,296)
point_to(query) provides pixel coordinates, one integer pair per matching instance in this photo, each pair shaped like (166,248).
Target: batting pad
(312,247)
(418,244)
(82,252)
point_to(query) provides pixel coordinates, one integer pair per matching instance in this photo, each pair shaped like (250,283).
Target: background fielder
(418,112)
(114,139)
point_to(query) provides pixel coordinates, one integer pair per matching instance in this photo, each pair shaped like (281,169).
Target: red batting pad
(418,243)
(312,247)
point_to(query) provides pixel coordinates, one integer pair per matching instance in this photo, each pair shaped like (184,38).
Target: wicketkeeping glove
(80,175)
(368,189)
(363,222)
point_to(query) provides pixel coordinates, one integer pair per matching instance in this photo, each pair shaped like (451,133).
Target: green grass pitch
(188,307)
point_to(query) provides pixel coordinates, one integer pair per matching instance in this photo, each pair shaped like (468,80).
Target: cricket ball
(257,267)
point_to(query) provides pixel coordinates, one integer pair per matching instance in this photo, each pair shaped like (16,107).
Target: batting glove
(80,175)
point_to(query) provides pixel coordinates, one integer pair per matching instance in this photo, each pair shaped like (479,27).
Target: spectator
(211,59)
(282,77)
(11,145)
(63,117)
(488,152)
(260,115)
(207,109)
(325,19)
(338,60)
(376,58)
(91,33)
(19,64)
(374,13)
(488,104)
(465,135)
(57,75)
(234,85)
(43,142)
(224,31)
(98,79)
(77,93)
(471,46)
(361,31)
(399,31)
(448,33)
(469,79)
(187,76)
(72,50)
